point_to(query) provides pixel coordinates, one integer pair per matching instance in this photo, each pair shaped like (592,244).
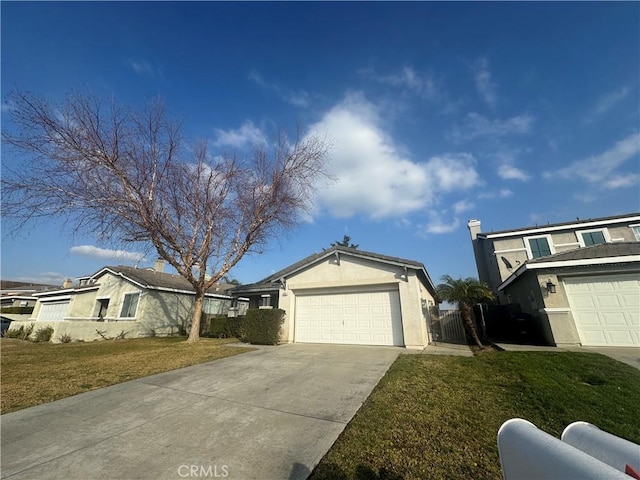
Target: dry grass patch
(35,373)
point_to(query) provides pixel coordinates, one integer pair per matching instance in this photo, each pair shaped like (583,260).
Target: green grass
(436,417)
(35,373)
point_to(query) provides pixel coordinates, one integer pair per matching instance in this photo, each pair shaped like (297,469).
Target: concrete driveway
(267,414)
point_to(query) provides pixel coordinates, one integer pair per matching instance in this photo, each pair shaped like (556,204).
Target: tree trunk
(194,332)
(467,318)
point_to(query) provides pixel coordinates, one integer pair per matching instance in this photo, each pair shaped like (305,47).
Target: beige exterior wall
(158,312)
(552,310)
(493,270)
(359,274)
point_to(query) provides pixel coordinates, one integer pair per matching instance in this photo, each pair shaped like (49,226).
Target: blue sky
(513,113)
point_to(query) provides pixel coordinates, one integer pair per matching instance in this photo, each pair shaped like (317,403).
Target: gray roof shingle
(604,250)
(270,282)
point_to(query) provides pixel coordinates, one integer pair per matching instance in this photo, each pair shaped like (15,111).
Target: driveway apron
(269,413)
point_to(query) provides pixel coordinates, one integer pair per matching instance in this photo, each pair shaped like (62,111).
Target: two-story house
(580,279)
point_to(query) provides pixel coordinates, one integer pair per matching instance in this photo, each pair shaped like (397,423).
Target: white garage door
(363,318)
(53,312)
(606,309)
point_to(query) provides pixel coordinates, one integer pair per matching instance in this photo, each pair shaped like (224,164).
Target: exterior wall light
(551,287)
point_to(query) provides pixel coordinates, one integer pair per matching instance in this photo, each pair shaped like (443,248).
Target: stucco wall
(516,254)
(358,273)
(87,330)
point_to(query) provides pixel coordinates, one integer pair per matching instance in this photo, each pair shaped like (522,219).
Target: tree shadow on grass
(362,472)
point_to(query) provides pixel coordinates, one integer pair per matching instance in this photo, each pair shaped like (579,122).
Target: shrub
(236,327)
(217,325)
(15,332)
(65,338)
(263,326)
(18,310)
(43,334)
(21,333)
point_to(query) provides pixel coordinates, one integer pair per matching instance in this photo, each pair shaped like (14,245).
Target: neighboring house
(141,302)
(20,294)
(349,296)
(580,280)
(17,301)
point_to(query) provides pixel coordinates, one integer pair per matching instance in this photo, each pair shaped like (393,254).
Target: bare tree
(126,175)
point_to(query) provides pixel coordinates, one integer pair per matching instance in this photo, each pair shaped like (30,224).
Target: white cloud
(502,193)
(462,206)
(46,278)
(374,176)
(142,67)
(421,84)
(438,226)
(600,170)
(247,135)
(297,98)
(607,102)
(476,125)
(509,172)
(103,253)
(485,85)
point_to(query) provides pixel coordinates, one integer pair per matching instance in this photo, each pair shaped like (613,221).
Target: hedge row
(19,310)
(259,327)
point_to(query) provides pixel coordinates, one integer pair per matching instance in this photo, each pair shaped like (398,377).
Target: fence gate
(451,327)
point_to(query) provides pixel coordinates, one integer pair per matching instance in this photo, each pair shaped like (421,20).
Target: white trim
(617,239)
(567,263)
(510,250)
(528,246)
(55,299)
(66,290)
(369,258)
(570,226)
(586,261)
(572,244)
(124,295)
(605,234)
(554,310)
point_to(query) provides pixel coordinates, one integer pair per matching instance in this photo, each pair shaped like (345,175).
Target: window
(265,301)
(593,238)
(129,305)
(102,306)
(539,247)
(636,231)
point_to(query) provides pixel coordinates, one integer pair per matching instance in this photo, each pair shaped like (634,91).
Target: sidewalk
(628,355)
(443,349)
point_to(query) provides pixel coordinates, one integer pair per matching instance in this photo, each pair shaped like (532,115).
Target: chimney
(474,228)
(67,283)
(159,265)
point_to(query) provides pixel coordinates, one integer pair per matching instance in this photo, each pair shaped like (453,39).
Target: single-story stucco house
(139,301)
(349,296)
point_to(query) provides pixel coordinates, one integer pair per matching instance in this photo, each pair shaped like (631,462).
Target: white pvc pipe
(608,448)
(529,453)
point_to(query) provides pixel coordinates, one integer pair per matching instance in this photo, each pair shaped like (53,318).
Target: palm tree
(465,292)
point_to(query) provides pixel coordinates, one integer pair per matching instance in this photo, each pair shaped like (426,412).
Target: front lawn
(437,417)
(35,373)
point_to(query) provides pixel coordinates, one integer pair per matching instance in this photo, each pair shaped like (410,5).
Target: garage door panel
(606,309)
(367,318)
(53,312)
(631,301)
